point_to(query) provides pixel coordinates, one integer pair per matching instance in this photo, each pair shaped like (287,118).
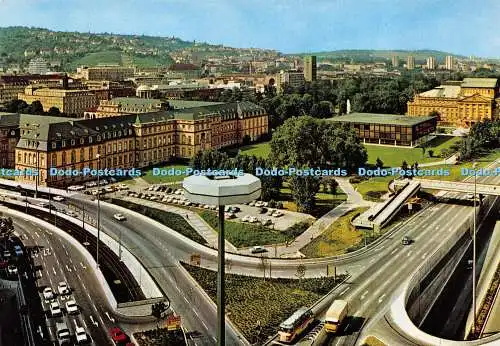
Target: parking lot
(254,212)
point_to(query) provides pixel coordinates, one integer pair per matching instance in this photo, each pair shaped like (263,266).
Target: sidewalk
(203,229)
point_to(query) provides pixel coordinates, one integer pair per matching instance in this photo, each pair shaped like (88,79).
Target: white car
(71,213)
(81,335)
(245,218)
(123,187)
(58,198)
(253,219)
(48,294)
(470,196)
(277,213)
(55,309)
(252,203)
(259,204)
(12,269)
(119,217)
(71,307)
(63,288)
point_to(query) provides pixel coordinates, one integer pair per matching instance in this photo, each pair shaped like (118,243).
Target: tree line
(36,107)
(483,136)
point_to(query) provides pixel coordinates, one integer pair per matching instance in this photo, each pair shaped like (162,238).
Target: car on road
(277,213)
(470,196)
(76,188)
(58,198)
(118,336)
(406,240)
(55,309)
(12,269)
(43,204)
(119,217)
(18,250)
(266,222)
(63,288)
(258,249)
(71,213)
(81,335)
(262,210)
(245,218)
(62,333)
(71,307)
(6,254)
(48,294)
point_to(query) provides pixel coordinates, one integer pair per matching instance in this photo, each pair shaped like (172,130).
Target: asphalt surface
(55,260)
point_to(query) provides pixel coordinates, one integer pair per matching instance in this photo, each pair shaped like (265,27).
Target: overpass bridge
(454,186)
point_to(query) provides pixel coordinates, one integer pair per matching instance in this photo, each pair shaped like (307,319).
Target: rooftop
(448,91)
(134,101)
(181,104)
(479,83)
(386,119)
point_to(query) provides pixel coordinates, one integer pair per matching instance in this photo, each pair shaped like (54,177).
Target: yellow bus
(295,325)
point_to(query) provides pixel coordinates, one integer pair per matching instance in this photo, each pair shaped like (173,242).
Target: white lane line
(408,254)
(204,325)
(344,291)
(68,268)
(381,298)
(54,270)
(394,251)
(94,322)
(364,295)
(109,317)
(83,265)
(424,255)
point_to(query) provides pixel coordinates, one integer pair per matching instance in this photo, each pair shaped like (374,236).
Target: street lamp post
(474,254)
(98,209)
(221,191)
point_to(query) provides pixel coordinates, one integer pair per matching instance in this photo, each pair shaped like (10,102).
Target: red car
(118,336)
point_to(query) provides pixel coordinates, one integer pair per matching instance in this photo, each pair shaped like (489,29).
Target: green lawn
(112,57)
(324,201)
(246,234)
(259,150)
(394,156)
(336,239)
(258,305)
(152,179)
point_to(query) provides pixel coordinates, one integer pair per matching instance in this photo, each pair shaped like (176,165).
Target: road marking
(68,268)
(36,233)
(424,255)
(409,253)
(381,298)
(54,270)
(344,291)
(364,295)
(393,251)
(185,299)
(94,322)
(109,317)
(83,265)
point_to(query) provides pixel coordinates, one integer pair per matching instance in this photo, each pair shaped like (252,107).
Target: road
(55,260)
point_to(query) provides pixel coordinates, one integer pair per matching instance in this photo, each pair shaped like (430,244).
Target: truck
(335,315)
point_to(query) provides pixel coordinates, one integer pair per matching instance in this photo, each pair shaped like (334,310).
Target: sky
(290,26)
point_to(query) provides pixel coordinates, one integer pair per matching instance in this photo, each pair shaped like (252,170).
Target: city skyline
(315,27)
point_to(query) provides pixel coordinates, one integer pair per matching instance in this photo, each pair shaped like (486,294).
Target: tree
(301,271)
(430,152)
(158,309)
(35,108)
(404,165)
(379,163)
(54,111)
(246,140)
(304,190)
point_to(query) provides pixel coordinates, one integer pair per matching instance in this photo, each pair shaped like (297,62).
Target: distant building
(459,104)
(105,73)
(431,63)
(293,79)
(310,68)
(410,62)
(68,101)
(12,85)
(124,105)
(450,63)
(395,61)
(38,66)
(184,71)
(398,130)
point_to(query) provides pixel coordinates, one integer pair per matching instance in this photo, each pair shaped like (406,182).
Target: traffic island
(258,305)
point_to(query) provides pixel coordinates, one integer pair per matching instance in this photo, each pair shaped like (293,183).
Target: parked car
(18,250)
(6,254)
(235,209)
(55,309)
(48,294)
(270,212)
(266,222)
(245,218)
(253,219)
(63,288)
(258,249)
(58,198)
(252,203)
(262,210)
(259,204)
(277,213)
(43,204)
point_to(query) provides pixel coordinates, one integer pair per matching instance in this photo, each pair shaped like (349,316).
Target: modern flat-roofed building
(108,73)
(390,129)
(310,68)
(124,105)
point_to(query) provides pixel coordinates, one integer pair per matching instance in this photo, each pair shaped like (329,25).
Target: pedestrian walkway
(203,229)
